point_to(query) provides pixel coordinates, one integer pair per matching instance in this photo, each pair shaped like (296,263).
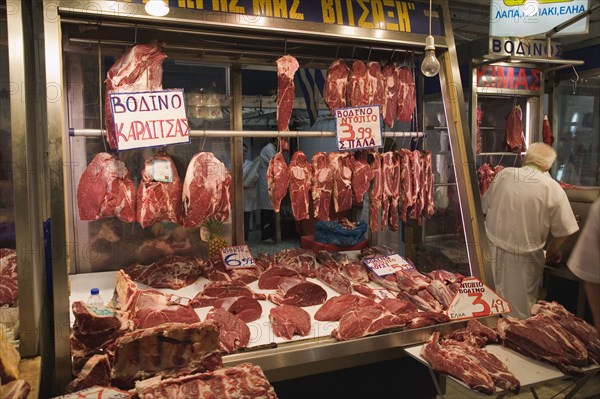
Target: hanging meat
(391,190)
(159,192)
(376,193)
(206,190)
(139,69)
(374,86)
(357,95)
(479,120)
(428,204)
(485,175)
(278,180)
(361,176)
(9,290)
(300,172)
(105,189)
(406,94)
(417,165)
(286,68)
(389,105)
(407,192)
(336,84)
(515,139)
(342,164)
(322,186)
(547,135)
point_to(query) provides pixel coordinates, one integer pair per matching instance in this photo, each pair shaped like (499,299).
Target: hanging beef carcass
(547,135)
(361,175)
(322,186)
(289,320)
(485,175)
(138,70)
(342,164)
(278,180)
(479,119)
(9,289)
(391,190)
(515,139)
(376,193)
(286,68)
(105,189)
(206,190)
(334,92)
(159,192)
(300,172)
(407,192)
(389,105)
(407,100)
(428,204)
(357,95)
(374,87)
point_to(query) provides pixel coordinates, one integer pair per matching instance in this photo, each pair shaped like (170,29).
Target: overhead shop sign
(390,15)
(521,18)
(507,77)
(149,119)
(505,46)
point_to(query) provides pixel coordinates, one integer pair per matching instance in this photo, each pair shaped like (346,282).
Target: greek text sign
(358,127)
(149,119)
(475,299)
(506,77)
(384,265)
(523,48)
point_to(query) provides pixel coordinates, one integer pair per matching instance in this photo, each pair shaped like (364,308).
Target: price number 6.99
(232,260)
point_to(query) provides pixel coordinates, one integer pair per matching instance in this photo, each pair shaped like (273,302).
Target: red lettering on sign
(522,80)
(479,301)
(535,85)
(481,80)
(504,81)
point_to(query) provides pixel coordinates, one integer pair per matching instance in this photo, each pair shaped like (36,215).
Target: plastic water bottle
(95,299)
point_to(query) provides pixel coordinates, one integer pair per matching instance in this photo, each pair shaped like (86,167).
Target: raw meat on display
(423,300)
(542,338)
(206,190)
(223,289)
(411,281)
(105,189)
(391,190)
(300,172)
(18,389)
(213,269)
(244,381)
(445,276)
(336,307)
(388,282)
(246,276)
(271,278)
(342,164)
(441,292)
(485,175)
(172,272)
(547,135)
(297,292)
(356,272)
(300,259)
(97,319)
(138,70)
(152,308)
(361,176)
(418,165)
(162,246)
(475,334)
(364,321)
(322,186)
(376,193)
(93,342)
(479,119)
(278,179)
(159,192)
(425,318)
(334,92)
(357,94)
(398,306)
(407,100)
(408,193)
(9,289)
(125,293)
(585,332)
(233,331)
(289,320)
(375,251)
(286,68)
(515,139)
(171,349)
(364,290)
(428,202)
(374,87)
(389,105)
(332,278)
(246,308)
(96,371)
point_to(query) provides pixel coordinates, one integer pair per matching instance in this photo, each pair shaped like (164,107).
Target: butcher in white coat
(522,206)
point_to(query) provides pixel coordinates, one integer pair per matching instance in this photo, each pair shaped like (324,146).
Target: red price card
(384,265)
(475,299)
(237,257)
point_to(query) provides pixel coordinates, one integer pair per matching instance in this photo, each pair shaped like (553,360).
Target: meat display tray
(529,372)
(280,358)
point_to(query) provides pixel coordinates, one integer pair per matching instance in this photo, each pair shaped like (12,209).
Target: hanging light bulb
(157,8)
(430,65)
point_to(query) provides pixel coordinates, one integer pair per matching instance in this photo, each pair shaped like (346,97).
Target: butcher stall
(145,188)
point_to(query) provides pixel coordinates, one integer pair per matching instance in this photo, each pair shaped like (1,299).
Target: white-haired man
(522,206)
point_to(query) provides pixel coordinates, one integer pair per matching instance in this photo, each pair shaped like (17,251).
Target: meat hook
(135,35)
(369,57)
(102,132)
(576,79)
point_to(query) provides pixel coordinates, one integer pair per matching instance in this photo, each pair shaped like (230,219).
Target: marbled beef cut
(334,92)
(342,164)
(322,186)
(374,87)
(300,172)
(357,94)
(278,179)
(9,290)
(286,68)
(389,105)
(233,331)
(293,291)
(172,272)
(246,308)
(363,321)
(361,175)
(271,278)
(289,320)
(407,100)
(376,192)
(336,307)
(515,138)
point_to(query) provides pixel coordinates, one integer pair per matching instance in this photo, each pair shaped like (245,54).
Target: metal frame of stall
(294,359)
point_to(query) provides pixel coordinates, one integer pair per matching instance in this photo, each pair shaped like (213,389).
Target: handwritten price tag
(96,393)
(237,257)
(384,265)
(475,299)
(358,127)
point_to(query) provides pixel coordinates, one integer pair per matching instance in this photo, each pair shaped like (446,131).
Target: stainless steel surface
(254,133)
(303,357)
(462,154)
(28,170)
(237,154)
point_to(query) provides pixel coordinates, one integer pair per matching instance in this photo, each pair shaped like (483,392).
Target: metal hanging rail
(501,153)
(252,133)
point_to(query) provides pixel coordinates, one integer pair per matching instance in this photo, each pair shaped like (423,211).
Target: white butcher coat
(585,258)
(522,206)
(267,152)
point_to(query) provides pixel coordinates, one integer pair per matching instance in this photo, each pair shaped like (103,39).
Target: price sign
(382,293)
(384,265)
(237,257)
(358,127)
(96,393)
(162,171)
(475,299)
